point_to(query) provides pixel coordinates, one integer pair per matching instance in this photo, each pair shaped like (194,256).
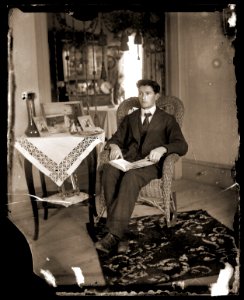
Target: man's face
(147,97)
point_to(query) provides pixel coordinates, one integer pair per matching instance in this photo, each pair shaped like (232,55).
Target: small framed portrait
(41,125)
(57,124)
(86,123)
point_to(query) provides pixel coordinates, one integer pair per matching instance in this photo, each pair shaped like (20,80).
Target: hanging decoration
(124,40)
(95,119)
(85,65)
(102,41)
(54,31)
(138,41)
(148,26)
(81,38)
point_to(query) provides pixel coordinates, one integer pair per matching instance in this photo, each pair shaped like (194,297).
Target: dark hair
(153,84)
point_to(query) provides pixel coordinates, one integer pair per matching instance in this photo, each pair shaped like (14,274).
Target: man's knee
(110,175)
(130,178)
(106,167)
(109,170)
(135,178)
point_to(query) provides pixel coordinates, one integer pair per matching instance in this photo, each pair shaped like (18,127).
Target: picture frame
(41,125)
(57,124)
(86,123)
(72,109)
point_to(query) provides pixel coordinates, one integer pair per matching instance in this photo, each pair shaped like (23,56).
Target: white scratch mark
(79,275)
(232,19)
(56,201)
(49,277)
(221,287)
(231,187)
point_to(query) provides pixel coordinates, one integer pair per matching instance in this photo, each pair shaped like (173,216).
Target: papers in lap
(125,165)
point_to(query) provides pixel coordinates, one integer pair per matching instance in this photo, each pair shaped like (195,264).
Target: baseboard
(207,172)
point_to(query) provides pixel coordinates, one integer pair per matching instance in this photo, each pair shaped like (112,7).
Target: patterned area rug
(198,246)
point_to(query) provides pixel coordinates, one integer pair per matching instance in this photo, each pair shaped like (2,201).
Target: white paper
(125,165)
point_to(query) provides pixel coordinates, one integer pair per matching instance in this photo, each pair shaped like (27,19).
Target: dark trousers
(121,190)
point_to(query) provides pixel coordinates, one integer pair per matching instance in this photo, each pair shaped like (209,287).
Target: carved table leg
(31,189)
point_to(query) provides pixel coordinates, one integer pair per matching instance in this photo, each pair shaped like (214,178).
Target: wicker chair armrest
(103,158)
(166,180)
(169,162)
(168,169)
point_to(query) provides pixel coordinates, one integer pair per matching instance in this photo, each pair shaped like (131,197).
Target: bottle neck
(30,110)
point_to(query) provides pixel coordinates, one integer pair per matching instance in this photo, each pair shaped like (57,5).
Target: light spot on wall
(216,63)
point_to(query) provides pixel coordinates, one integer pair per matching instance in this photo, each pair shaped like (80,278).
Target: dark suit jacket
(163,130)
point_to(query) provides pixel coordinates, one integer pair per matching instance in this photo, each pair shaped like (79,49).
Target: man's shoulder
(133,114)
(163,113)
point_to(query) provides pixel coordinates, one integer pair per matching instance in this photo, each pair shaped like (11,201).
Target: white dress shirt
(147,110)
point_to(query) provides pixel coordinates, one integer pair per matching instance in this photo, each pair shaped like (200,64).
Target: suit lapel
(135,125)
(155,122)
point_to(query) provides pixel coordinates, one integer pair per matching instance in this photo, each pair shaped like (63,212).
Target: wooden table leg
(44,194)
(92,170)
(31,189)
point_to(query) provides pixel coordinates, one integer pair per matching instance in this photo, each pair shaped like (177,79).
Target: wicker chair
(158,192)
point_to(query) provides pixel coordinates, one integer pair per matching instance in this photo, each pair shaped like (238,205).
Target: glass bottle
(31,130)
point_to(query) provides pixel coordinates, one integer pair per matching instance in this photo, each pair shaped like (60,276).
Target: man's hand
(156,154)
(115,152)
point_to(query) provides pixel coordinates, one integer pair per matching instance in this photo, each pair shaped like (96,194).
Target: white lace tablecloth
(57,156)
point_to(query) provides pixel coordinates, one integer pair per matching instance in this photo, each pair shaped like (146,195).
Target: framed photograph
(41,125)
(57,124)
(72,109)
(86,123)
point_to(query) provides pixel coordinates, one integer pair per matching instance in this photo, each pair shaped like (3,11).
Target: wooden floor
(64,243)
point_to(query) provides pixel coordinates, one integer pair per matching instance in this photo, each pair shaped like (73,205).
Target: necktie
(146,121)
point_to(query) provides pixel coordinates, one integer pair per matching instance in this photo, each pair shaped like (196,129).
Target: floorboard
(64,242)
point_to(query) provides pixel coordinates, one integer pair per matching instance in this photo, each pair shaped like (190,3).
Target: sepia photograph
(41,125)
(57,124)
(86,123)
(169,227)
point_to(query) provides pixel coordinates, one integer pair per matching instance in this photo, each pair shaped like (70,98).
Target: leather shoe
(123,246)
(108,243)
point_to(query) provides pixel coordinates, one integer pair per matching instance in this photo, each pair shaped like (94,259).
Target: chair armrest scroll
(103,158)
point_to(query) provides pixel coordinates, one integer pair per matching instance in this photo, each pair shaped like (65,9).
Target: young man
(133,142)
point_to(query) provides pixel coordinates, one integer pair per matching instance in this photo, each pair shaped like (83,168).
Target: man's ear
(157,96)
